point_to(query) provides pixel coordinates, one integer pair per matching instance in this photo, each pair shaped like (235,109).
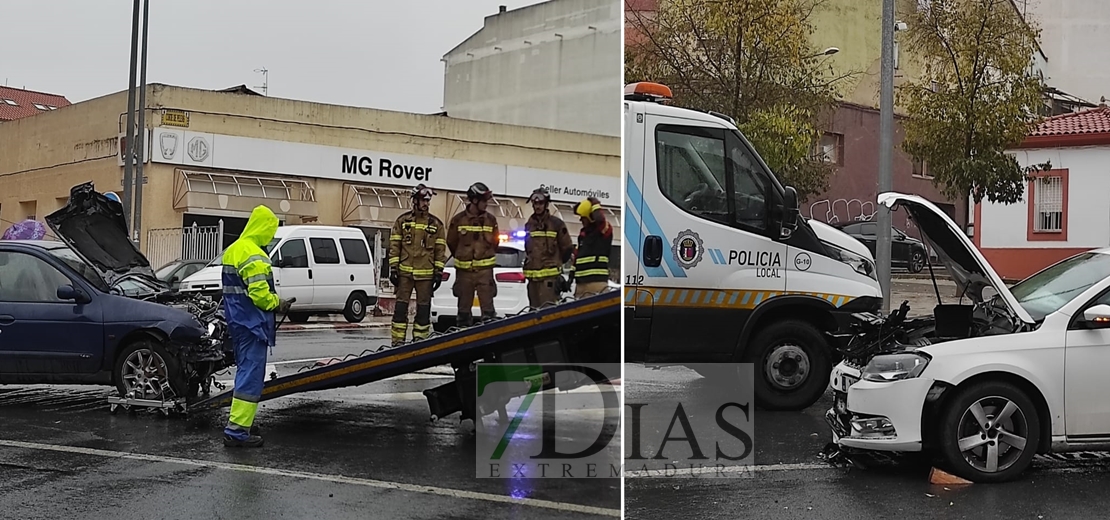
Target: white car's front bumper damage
(878,416)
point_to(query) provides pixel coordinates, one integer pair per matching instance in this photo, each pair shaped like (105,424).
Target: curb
(331,326)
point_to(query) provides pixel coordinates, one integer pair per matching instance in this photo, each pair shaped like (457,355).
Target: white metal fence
(190,243)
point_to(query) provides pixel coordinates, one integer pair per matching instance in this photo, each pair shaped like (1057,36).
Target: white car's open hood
(964,262)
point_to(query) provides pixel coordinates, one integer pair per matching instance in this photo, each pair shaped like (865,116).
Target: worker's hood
(965,264)
(261,227)
(93,226)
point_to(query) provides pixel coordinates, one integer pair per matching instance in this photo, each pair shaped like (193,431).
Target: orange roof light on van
(647,91)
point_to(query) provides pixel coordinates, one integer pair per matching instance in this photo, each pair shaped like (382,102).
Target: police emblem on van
(687,249)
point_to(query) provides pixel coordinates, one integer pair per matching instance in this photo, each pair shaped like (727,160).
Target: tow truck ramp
(585,330)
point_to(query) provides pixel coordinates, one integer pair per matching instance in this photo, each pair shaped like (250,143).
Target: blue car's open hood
(93,226)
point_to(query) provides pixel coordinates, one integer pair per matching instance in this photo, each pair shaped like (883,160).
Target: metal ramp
(583,331)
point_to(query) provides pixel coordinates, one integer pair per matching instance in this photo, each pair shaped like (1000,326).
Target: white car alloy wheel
(990,432)
(993,432)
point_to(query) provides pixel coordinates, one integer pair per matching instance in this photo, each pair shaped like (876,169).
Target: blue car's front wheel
(144,370)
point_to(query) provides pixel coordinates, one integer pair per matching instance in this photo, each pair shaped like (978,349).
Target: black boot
(465,320)
(253,441)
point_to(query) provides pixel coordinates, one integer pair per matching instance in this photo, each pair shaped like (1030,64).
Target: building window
(920,169)
(11,102)
(830,148)
(40,107)
(1048,206)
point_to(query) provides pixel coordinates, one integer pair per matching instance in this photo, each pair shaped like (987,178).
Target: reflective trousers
(542,291)
(250,375)
(422,325)
(475,283)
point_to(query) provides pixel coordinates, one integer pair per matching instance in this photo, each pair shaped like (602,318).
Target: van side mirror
(790,213)
(1097,317)
(653,250)
(68,292)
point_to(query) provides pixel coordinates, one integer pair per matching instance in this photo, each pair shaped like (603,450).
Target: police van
(722,267)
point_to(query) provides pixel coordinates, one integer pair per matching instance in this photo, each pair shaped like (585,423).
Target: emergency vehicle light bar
(646,91)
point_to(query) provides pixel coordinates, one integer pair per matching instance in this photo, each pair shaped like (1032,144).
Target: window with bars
(1048,204)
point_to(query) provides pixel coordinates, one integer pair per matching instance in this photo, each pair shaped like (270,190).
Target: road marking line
(339,479)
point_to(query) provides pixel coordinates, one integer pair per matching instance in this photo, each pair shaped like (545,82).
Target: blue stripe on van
(636,198)
(633,235)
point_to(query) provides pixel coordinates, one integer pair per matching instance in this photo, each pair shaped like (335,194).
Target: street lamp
(830,51)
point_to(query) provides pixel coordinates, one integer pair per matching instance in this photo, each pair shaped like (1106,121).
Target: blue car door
(41,333)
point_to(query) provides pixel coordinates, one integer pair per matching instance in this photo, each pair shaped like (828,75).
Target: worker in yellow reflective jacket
(417,252)
(547,246)
(595,241)
(249,302)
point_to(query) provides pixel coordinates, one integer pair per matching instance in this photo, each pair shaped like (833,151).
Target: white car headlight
(895,367)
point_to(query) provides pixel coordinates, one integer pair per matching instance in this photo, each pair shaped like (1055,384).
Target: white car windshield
(1045,292)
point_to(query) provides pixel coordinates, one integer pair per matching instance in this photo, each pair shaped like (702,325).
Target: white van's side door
(329,274)
(292,272)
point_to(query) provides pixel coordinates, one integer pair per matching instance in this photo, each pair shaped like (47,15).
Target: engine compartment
(867,334)
(214,352)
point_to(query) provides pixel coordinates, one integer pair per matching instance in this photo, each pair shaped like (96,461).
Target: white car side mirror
(1097,317)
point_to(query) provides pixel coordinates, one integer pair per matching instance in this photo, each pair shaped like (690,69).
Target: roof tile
(25,101)
(1093,121)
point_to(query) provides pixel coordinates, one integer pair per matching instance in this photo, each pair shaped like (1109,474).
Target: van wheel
(355,310)
(989,432)
(298,317)
(141,368)
(792,366)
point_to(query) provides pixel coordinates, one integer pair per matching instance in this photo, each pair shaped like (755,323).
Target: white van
(722,268)
(328,269)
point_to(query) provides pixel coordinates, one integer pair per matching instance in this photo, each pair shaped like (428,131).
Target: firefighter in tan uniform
(417,252)
(472,236)
(547,246)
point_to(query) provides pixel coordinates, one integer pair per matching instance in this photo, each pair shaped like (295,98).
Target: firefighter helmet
(540,195)
(421,191)
(479,191)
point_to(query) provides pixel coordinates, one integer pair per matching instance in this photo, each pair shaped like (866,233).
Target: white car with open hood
(983,386)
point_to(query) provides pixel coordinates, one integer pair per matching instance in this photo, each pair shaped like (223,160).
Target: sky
(369,53)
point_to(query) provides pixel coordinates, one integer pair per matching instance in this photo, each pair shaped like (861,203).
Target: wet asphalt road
(790,481)
(365,452)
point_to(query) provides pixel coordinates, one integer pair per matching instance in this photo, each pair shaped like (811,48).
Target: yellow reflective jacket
(248,283)
(418,245)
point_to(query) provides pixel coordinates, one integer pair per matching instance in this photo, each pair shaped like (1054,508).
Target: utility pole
(886,150)
(140,145)
(129,144)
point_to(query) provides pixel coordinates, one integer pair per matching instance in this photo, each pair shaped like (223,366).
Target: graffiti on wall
(842,210)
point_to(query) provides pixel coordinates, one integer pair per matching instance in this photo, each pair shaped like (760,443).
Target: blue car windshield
(75,262)
(1045,292)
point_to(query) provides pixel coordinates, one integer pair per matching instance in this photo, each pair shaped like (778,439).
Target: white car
(981,387)
(512,288)
(337,277)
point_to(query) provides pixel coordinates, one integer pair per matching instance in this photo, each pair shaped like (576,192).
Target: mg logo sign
(198,149)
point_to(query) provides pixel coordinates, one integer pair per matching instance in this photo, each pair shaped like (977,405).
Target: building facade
(548,65)
(1064,209)
(210,157)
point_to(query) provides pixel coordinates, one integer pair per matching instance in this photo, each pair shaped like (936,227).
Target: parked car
(174,272)
(89,310)
(905,251)
(338,277)
(985,386)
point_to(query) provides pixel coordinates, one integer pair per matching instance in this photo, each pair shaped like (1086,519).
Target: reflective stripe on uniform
(476,264)
(542,273)
(441,242)
(590,259)
(394,260)
(234,289)
(251,259)
(542,234)
(242,414)
(395,237)
(439,264)
(592,272)
(477,229)
(256,278)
